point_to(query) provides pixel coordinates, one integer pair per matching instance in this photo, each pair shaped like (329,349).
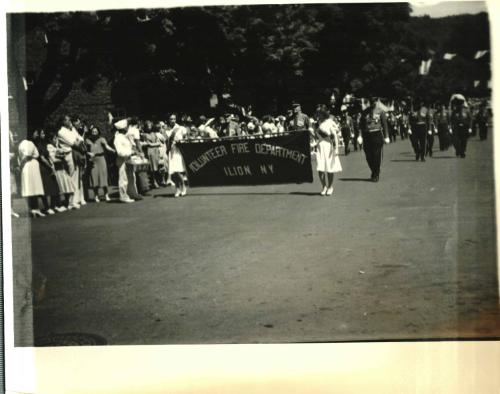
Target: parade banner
(253,160)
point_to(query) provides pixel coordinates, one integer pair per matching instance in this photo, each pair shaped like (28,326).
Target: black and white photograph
(252,174)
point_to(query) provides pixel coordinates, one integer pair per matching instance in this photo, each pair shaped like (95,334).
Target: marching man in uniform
(461,124)
(373,125)
(346,128)
(300,120)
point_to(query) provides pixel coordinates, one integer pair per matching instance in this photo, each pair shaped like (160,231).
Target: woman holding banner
(176,168)
(327,156)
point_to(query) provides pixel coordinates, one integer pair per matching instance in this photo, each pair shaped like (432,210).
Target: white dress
(175,160)
(326,159)
(31,179)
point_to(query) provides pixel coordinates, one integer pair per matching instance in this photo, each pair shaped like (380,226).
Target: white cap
(121,124)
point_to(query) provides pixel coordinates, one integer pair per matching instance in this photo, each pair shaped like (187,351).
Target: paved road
(412,256)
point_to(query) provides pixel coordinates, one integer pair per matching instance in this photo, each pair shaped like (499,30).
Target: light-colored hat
(121,124)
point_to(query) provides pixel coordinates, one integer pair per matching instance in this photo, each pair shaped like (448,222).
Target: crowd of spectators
(61,169)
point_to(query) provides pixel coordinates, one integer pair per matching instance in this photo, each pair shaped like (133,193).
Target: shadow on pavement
(355,179)
(215,194)
(444,157)
(304,193)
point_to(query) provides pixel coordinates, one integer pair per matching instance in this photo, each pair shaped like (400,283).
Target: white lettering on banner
(205,157)
(265,168)
(237,170)
(279,151)
(241,147)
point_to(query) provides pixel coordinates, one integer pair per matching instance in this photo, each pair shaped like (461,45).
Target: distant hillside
(461,34)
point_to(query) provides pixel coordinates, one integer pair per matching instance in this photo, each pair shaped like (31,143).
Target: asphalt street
(410,257)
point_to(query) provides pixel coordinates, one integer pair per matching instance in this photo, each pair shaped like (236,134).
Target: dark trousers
(413,138)
(444,137)
(483,132)
(461,136)
(393,132)
(346,136)
(420,140)
(403,132)
(372,145)
(430,144)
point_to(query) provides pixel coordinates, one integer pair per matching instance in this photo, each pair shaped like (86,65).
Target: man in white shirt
(68,139)
(124,150)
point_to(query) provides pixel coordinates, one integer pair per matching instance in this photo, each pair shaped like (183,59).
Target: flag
(213,101)
(421,69)
(428,66)
(480,54)
(449,56)
(476,84)
(425,66)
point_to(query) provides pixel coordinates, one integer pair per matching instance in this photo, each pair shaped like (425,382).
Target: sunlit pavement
(412,256)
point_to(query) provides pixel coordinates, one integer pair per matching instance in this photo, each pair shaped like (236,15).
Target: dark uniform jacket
(373,121)
(461,120)
(299,122)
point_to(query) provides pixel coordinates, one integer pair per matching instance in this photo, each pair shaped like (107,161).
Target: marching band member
(373,125)
(420,126)
(461,124)
(299,121)
(346,127)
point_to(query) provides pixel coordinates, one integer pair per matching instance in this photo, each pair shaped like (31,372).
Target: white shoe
(74,206)
(128,201)
(36,213)
(329,192)
(50,211)
(107,197)
(14,214)
(184,191)
(60,209)
(96,199)
(323,192)
(83,202)
(177,193)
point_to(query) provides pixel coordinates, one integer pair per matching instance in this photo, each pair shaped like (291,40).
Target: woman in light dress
(176,167)
(327,154)
(152,142)
(31,178)
(97,148)
(57,158)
